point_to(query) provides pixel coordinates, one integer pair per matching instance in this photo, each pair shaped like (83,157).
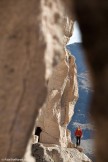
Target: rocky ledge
(55,153)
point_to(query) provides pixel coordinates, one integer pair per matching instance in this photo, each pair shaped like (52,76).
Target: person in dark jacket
(78,135)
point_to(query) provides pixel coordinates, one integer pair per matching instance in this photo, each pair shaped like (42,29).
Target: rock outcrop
(62,96)
(51,125)
(58,110)
(56,153)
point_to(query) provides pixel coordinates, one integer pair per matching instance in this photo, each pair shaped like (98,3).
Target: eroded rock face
(58,154)
(62,96)
(68,29)
(59,108)
(51,125)
(30,41)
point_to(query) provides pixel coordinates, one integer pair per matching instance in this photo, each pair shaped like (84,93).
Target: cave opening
(38,131)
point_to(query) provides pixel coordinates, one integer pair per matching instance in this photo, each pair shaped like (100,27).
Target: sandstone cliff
(54,138)
(62,96)
(58,110)
(55,141)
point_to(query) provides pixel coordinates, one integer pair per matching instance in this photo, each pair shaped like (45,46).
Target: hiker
(78,134)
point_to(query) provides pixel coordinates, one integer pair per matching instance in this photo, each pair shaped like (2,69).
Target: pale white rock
(53,153)
(62,96)
(27,156)
(55,140)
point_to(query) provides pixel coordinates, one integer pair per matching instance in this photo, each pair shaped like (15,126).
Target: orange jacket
(78,132)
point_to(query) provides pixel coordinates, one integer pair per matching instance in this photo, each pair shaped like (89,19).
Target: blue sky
(76,37)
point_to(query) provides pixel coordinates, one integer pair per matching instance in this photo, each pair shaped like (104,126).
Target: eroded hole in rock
(38,131)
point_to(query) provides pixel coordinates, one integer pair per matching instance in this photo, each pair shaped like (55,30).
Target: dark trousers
(78,140)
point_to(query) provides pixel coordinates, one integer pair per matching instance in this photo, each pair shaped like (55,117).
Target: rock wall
(30,45)
(62,95)
(54,139)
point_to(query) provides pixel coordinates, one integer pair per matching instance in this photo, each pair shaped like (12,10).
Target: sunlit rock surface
(59,108)
(58,154)
(54,139)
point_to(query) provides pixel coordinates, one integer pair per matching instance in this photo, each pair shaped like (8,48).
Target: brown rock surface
(24,67)
(22,47)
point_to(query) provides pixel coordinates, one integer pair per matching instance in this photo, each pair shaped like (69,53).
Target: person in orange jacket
(78,135)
